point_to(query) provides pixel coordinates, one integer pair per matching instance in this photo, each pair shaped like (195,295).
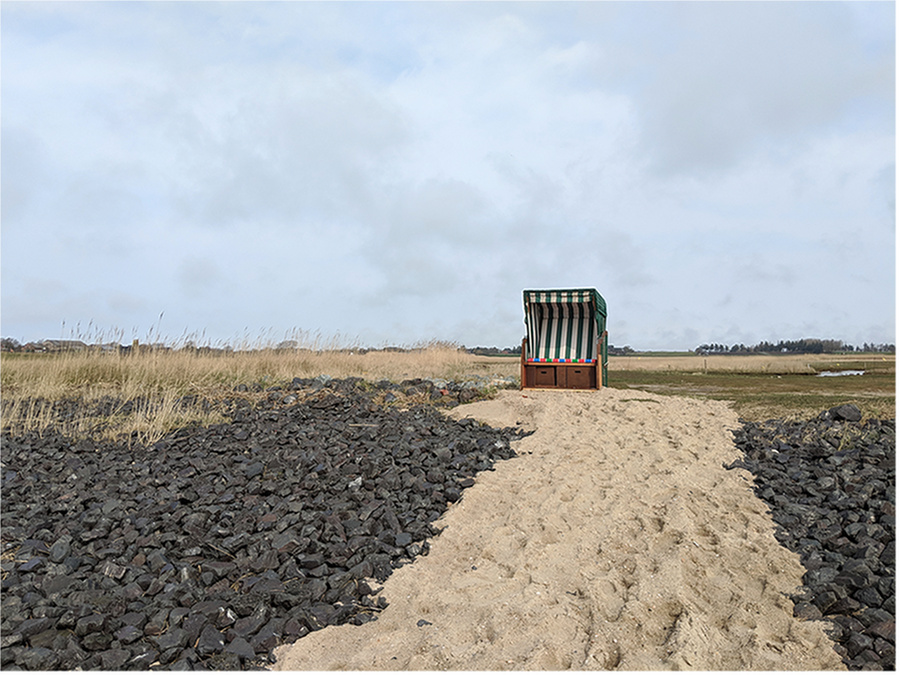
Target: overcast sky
(393,173)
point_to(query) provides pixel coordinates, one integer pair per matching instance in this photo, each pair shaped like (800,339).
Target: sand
(615,540)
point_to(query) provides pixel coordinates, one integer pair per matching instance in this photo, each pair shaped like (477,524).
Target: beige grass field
(157,382)
(762,363)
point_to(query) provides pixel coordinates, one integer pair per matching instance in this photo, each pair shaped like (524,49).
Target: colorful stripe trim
(543,360)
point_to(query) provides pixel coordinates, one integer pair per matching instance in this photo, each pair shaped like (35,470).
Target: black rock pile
(217,544)
(435,391)
(830,483)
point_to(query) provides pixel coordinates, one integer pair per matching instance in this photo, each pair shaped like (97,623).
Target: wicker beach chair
(566,341)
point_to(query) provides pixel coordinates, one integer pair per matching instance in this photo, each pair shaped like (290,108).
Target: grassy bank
(146,394)
(767,386)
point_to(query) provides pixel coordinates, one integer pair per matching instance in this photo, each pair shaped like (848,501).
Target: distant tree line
(495,351)
(804,346)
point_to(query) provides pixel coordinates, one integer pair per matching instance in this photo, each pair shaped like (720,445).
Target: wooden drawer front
(545,376)
(579,378)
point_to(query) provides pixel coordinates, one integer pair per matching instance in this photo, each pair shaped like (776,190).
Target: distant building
(64,346)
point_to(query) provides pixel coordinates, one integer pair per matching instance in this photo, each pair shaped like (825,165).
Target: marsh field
(764,387)
(146,394)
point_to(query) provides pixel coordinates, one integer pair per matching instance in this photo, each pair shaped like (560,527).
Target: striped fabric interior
(562,327)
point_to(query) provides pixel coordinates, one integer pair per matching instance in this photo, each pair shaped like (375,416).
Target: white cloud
(740,74)
(386,170)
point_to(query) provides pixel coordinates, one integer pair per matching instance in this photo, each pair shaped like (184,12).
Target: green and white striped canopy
(564,325)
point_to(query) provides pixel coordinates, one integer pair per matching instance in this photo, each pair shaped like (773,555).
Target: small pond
(839,373)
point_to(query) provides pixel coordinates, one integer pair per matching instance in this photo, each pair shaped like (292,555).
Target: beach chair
(566,343)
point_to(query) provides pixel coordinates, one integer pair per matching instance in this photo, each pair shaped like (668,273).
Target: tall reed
(178,386)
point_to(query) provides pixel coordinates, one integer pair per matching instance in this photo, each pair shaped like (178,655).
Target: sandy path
(615,540)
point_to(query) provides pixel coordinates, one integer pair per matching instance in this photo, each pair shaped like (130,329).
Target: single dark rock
(38,658)
(219,568)
(114,659)
(872,615)
(825,601)
(224,661)
(883,629)
(8,640)
(885,650)
(96,642)
(143,659)
(31,627)
(92,623)
(248,625)
(858,642)
(242,648)
(869,597)
(211,641)
(848,412)
(31,564)
(193,624)
(128,634)
(56,584)
(226,617)
(169,656)
(171,639)
(266,640)
(156,561)
(46,638)
(807,611)
(157,622)
(254,469)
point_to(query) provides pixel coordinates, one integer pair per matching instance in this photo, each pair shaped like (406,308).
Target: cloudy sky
(392,173)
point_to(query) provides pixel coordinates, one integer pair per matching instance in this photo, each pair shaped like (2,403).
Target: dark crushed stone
(217,544)
(830,484)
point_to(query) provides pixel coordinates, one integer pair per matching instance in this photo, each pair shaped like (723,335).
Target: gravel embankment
(830,483)
(216,544)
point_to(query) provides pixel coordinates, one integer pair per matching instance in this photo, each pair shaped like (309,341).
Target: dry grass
(54,376)
(808,364)
(157,382)
(147,394)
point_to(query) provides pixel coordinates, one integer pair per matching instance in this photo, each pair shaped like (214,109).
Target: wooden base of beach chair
(560,376)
